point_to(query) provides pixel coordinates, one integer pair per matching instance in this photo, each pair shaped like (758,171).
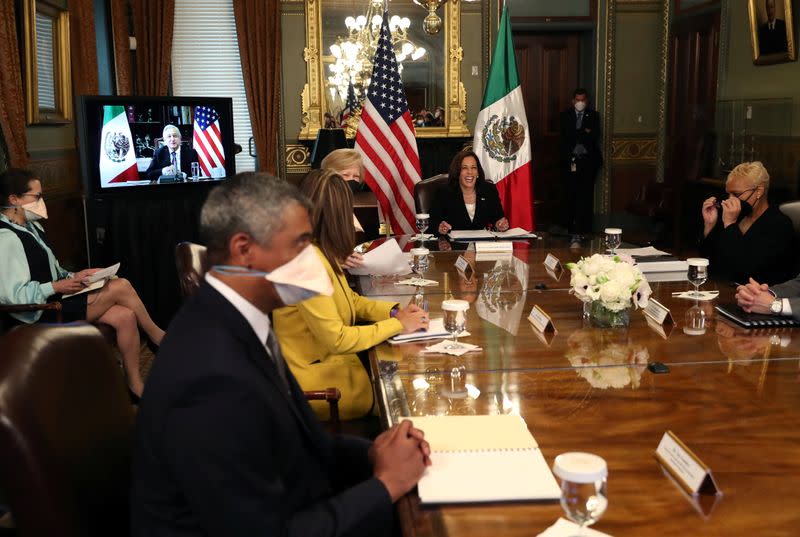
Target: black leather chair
(425,190)
(66,427)
(191,262)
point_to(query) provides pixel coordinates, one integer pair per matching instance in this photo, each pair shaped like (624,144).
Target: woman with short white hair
(743,235)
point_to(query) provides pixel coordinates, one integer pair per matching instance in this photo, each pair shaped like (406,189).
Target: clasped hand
(399,457)
(754,297)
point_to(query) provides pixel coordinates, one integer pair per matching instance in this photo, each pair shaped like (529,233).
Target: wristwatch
(777,306)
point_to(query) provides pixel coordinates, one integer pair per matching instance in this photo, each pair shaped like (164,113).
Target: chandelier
(433,22)
(353,53)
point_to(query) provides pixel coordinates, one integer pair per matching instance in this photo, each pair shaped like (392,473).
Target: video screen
(157,141)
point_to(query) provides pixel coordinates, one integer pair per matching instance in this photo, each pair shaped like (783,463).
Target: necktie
(579,120)
(175,161)
(277,357)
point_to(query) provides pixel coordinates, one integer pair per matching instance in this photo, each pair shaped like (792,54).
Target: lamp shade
(327,141)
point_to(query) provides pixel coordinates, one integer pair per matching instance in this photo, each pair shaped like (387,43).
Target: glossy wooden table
(732,395)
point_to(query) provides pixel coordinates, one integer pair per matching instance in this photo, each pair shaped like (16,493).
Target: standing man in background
(580,158)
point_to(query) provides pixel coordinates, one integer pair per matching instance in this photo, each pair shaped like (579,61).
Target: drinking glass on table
(583,486)
(423,219)
(195,171)
(613,239)
(697,273)
(455,319)
(419,260)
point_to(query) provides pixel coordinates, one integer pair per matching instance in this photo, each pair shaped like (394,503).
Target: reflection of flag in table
(207,140)
(386,138)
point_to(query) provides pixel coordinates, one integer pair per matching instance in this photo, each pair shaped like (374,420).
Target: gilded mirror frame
(313,94)
(62,112)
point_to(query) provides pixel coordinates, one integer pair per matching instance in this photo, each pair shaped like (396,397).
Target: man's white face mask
(580,106)
(301,278)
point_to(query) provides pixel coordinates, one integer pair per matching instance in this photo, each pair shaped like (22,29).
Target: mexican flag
(117,158)
(502,136)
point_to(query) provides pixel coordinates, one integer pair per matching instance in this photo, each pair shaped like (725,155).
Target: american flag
(386,138)
(207,140)
(350,106)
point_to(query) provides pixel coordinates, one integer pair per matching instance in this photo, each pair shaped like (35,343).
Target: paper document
(476,234)
(675,265)
(646,251)
(483,459)
(97,280)
(435,331)
(384,260)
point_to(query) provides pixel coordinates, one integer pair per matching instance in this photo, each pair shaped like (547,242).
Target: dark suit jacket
(224,449)
(161,159)
(588,135)
(448,205)
(790,289)
(772,41)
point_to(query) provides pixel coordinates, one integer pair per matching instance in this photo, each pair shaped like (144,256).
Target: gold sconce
(433,22)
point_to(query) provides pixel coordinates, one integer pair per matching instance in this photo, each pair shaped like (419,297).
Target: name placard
(658,312)
(463,265)
(541,321)
(552,263)
(555,275)
(686,467)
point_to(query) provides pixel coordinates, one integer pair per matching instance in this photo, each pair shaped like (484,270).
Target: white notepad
(483,459)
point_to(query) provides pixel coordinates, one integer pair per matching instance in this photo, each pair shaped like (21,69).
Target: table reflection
(598,354)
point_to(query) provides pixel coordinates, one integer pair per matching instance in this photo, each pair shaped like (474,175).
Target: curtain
(153,24)
(121,30)
(83,47)
(258,29)
(12,103)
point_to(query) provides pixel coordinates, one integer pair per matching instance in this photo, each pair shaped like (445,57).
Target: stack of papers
(384,260)
(97,280)
(479,234)
(435,331)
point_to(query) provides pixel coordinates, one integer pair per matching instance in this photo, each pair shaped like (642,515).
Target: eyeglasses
(739,194)
(37,195)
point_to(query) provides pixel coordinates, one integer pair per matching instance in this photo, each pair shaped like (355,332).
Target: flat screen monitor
(149,143)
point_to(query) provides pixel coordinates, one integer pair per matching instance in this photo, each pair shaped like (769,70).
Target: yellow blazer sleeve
(371,310)
(323,320)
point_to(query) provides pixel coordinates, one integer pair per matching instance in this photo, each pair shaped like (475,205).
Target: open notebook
(483,459)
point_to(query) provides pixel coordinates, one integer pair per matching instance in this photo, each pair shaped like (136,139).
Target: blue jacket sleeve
(16,286)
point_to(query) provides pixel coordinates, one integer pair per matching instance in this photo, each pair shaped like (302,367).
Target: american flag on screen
(207,140)
(386,138)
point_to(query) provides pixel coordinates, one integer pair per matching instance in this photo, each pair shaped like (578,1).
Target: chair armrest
(22,308)
(332,396)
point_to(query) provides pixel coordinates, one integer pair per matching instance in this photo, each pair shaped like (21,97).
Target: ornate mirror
(338,55)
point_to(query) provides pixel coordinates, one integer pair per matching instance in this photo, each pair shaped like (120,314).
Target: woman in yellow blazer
(319,337)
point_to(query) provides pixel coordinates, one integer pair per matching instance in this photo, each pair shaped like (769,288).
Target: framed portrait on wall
(771,31)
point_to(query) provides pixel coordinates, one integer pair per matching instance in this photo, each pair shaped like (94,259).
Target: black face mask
(355,186)
(744,212)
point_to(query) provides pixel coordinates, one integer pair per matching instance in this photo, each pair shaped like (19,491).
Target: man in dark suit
(772,34)
(580,158)
(171,157)
(226,445)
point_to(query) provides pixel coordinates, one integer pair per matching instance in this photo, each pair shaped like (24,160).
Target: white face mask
(580,106)
(35,211)
(301,278)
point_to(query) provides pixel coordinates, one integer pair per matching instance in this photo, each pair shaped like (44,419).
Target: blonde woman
(743,235)
(321,336)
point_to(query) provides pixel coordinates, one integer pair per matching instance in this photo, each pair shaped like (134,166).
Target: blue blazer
(223,448)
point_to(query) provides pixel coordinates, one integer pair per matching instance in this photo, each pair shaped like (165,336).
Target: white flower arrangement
(615,281)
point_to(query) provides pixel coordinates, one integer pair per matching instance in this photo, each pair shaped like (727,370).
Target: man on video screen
(171,158)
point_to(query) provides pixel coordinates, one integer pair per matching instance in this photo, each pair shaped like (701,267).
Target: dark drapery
(258,28)
(153,24)
(83,47)
(12,103)
(121,30)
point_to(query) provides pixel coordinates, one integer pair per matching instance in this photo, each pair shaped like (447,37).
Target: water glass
(697,274)
(419,259)
(423,219)
(455,319)
(195,171)
(583,486)
(613,239)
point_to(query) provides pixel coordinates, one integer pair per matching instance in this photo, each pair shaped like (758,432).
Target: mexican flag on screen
(117,158)
(502,137)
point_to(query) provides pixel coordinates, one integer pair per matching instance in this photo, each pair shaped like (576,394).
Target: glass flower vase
(602,317)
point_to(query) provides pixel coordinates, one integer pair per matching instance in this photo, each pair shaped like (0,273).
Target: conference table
(731,395)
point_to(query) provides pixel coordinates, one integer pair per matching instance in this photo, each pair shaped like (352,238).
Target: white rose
(613,291)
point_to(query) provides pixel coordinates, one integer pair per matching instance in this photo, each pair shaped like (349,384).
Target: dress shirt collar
(254,316)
